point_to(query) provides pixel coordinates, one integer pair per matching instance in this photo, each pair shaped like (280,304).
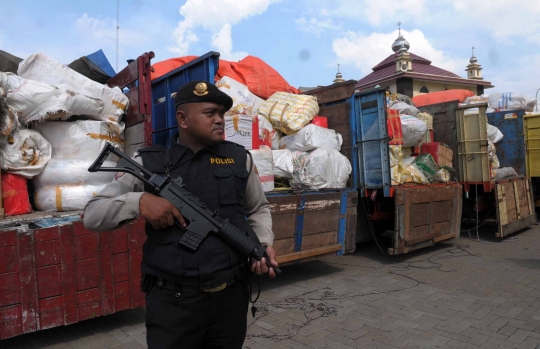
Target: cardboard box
(244,130)
(441,153)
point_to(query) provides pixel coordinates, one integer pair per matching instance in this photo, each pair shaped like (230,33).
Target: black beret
(201,91)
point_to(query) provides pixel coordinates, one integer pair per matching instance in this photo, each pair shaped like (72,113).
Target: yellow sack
(288,112)
(396,164)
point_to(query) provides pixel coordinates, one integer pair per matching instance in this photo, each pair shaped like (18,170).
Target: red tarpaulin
(260,78)
(441,97)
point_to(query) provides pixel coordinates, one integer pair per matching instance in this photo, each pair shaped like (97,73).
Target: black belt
(171,285)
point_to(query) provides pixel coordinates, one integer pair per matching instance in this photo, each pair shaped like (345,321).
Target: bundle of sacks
(39,142)
(502,102)
(283,141)
(413,153)
(408,153)
(65,184)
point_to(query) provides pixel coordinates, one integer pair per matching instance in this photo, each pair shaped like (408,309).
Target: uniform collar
(176,151)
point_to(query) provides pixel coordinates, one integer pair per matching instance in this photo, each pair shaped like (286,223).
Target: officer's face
(203,122)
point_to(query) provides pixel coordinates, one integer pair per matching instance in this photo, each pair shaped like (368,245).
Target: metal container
(473,159)
(369,115)
(511,149)
(531,130)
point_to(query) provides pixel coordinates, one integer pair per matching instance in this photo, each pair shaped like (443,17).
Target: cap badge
(201,89)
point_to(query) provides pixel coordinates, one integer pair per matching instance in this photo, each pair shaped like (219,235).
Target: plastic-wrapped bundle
(427,165)
(9,122)
(404,108)
(500,173)
(39,101)
(442,175)
(27,155)
(396,164)
(244,102)
(413,130)
(81,139)
(494,134)
(509,101)
(283,163)
(39,67)
(72,172)
(288,112)
(312,137)
(267,131)
(262,158)
(414,174)
(321,168)
(65,197)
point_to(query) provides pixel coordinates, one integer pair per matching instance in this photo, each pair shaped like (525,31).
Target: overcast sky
(302,39)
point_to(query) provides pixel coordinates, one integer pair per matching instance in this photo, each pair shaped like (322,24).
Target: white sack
(244,102)
(28,154)
(9,122)
(476,100)
(413,130)
(288,112)
(312,137)
(262,158)
(404,108)
(72,172)
(494,134)
(504,172)
(239,129)
(283,163)
(39,67)
(38,101)
(65,198)
(509,100)
(266,130)
(81,139)
(321,168)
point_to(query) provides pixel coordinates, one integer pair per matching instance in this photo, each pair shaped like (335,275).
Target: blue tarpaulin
(99,59)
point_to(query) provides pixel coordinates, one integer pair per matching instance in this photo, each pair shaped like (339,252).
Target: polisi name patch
(220,161)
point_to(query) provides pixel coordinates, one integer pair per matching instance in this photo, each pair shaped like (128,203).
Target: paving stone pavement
(465,294)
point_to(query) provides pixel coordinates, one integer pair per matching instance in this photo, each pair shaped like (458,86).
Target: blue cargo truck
(307,224)
(411,216)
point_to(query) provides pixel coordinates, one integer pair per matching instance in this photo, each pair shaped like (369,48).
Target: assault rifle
(199,218)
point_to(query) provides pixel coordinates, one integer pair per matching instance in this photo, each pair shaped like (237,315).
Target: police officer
(193,299)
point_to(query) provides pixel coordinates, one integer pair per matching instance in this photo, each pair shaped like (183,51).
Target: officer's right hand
(160,213)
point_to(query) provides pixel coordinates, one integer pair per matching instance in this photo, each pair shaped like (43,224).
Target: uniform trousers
(192,319)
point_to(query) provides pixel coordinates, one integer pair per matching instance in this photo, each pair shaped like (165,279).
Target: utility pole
(117,31)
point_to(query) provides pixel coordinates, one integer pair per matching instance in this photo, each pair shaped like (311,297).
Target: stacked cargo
(60,273)
(415,156)
(40,140)
(284,141)
(296,153)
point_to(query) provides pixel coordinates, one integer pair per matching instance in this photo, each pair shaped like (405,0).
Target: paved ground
(469,294)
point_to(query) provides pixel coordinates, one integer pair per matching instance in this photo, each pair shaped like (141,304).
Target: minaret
(403,58)
(339,77)
(474,70)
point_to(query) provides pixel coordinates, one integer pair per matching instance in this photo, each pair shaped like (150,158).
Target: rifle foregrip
(243,243)
(239,240)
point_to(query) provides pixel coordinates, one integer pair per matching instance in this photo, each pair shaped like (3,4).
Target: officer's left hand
(260,267)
